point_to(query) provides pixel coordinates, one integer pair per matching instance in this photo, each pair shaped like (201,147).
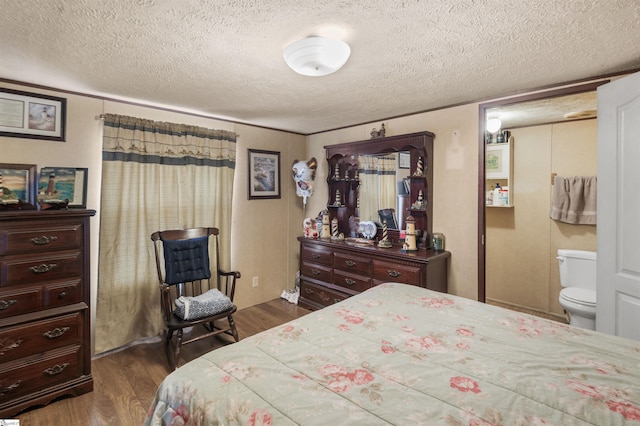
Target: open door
(618,270)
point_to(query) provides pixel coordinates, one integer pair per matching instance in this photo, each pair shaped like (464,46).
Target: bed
(401,354)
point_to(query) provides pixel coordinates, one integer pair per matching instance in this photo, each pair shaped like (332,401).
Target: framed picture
(264,174)
(17,183)
(33,116)
(58,184)
(497,161)
(404,160)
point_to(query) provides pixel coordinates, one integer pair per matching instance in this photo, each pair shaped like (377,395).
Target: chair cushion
(186,260)
(209,303)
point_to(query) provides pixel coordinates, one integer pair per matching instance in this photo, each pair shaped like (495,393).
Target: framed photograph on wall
(17,184)
(264,174)
(57,184)
(404,160)
(31,115)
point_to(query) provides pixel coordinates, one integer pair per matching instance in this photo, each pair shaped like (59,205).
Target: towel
(209,303)
(574,200)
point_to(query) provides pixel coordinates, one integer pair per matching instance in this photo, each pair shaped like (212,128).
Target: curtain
(377,184)
(155,176)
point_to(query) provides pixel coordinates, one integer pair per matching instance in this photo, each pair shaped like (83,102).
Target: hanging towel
(574,200)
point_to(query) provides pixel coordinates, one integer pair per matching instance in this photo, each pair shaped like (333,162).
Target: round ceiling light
(316,56)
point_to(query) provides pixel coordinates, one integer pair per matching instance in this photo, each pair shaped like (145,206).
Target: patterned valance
(132,139)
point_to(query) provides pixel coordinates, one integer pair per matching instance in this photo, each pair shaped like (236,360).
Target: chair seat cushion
(209,303)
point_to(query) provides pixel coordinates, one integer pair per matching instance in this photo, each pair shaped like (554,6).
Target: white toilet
(578,277)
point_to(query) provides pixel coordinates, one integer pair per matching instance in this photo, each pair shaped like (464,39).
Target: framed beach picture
(17,183)
(58,184)
(33,116)
(264,174)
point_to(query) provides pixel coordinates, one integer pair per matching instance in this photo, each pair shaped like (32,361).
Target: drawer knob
(350,263)
(336,300)
(41,269)
(315,272)
(56,332)
(5,304)
(393,273)
(43,241)
(315,256)
(62,295)
(349,281)
(10,388)
(308,290)
(56,369)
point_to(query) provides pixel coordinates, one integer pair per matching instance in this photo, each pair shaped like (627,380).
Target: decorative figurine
(378,133)
(410,243)
(326,231)
(336,172)
(338,201)
(309,228)
(334,228)
(384,242)
(419,204)
(420,168)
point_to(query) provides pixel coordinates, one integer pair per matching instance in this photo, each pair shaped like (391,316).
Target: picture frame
(57,184)
(404,160)
(32,116)
(17,184)
(264,174)
(497,161)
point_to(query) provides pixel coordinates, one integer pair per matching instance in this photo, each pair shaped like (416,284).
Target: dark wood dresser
(331,271)
(45,334)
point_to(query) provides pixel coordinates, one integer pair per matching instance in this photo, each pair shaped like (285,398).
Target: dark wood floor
(125,382)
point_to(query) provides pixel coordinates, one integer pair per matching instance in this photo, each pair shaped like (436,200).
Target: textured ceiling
(224,58)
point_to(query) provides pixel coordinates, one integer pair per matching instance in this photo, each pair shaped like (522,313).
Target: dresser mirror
(368,176)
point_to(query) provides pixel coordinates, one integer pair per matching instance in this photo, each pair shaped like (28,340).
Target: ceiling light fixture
(493,125)
(316,56)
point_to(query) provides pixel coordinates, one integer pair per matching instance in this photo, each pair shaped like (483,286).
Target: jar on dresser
(45,334)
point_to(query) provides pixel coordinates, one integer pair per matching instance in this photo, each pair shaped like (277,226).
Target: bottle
(496,195)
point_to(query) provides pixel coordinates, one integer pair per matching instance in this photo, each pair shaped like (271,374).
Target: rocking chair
(189,294)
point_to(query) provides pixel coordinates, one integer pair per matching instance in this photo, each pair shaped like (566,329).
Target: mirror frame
(417,144)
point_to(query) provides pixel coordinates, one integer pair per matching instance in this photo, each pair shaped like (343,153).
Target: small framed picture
(17,184)
(59,184)
(264,174)
(33,116)
(404,160)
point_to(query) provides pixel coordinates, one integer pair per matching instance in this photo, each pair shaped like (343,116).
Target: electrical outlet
(256,281)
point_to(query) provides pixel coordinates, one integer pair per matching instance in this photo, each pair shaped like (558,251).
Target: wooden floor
(125,382)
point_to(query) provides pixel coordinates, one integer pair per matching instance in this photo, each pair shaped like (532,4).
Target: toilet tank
(577,268)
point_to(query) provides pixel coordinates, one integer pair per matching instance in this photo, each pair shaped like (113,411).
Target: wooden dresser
(332,271)
(45,345)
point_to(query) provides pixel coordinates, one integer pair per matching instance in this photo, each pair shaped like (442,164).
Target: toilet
(578,279)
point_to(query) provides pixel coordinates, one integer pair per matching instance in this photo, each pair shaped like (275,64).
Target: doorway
(523,112)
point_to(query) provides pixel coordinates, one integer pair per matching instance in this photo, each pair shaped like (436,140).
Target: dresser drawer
(317,272)
(317,254)
(351,282)
(33,338)
(30,269)
(349,262)
(24,376)
(40,238)
(394,272)
(20,301)
(322,296)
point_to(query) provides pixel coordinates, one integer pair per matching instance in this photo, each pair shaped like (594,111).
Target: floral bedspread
(400,354)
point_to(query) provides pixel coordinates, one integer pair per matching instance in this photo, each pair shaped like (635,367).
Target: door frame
(483,107)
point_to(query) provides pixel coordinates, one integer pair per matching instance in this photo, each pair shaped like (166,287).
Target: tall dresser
(45,342)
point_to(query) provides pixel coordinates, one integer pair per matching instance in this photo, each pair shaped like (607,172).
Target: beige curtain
(377,184)
(155,176)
